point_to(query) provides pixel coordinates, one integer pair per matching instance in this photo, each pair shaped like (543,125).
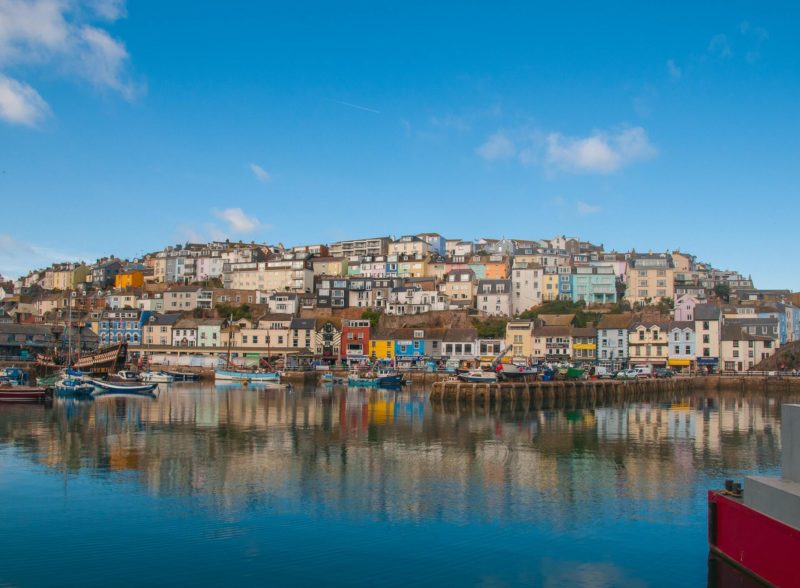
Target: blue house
(409,344)
(120,325)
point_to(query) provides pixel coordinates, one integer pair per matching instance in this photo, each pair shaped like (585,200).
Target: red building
(355,340)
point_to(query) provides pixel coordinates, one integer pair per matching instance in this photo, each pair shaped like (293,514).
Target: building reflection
(391,454)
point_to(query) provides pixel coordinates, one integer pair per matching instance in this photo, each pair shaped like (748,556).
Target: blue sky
(124,128)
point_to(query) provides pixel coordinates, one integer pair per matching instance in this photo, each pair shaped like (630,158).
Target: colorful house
(381,344)
(132,279)
(409,344)
(355,340)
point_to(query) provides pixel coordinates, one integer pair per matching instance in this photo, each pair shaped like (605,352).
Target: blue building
(593,285)
(435,240)
(409,344)
(120,325)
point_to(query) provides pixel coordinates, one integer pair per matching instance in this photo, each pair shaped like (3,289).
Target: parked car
(630,374)
(644,371)
(664,373)
(602,372)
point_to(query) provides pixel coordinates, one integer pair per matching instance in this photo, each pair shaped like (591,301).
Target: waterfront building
(328,339)
(520,336)
(122,325)
(409,345)
(740,350)
(612,340)
(381,344)
(211,333)
(682,353)
(302,333)
(584,344)
(460,344)
(707,328)
(648,341)
(355,340)
(184,333)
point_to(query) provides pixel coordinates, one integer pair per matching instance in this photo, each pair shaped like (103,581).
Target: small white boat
(105,387)
(240,376)
(478,376)
(127,376)
(157,377)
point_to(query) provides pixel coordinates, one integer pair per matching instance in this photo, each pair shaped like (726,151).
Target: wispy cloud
(356,106)
(720,46)
(21,104)
(497,146)
(18,257)
(601,152)
(62,34)
(238,221)
(260,173)
(673,70)
(584,209)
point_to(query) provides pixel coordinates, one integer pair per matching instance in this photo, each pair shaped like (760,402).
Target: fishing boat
(478,377)
(73,386)
(50,380)
(382,378)
(512,371)
(242,376)
(13,376)
(105,387)
(12,393)
(329,378)
(157,377)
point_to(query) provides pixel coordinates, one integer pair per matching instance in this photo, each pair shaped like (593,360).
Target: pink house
(684,307)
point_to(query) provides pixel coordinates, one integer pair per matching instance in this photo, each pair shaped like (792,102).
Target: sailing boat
(234,375)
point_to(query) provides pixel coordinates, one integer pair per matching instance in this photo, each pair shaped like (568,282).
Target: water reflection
(581,471)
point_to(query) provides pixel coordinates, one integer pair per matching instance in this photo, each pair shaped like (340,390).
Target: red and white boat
(758,528)
(22,393)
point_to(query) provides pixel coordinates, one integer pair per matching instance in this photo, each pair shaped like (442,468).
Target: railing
(760,374)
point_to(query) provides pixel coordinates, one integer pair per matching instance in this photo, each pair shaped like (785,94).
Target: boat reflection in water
(343,486)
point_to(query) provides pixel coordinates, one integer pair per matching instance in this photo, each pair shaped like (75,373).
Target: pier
(558,393)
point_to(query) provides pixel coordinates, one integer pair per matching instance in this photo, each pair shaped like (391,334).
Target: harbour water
(208,485)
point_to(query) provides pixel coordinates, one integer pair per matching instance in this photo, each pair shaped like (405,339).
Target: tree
(723,291)
(490,328)
(372,315)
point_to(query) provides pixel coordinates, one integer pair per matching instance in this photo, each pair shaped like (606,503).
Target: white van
(644,371)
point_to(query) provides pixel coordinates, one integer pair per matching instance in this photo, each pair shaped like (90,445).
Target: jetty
(526,394)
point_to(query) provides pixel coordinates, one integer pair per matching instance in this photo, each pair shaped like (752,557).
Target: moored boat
(158,377)
(127,376)
(183,376)
(478,377)
(105,387)
(22,393)
(71,386)
(241,376)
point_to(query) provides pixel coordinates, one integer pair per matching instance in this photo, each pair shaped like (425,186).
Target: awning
(707,360)
(680,362)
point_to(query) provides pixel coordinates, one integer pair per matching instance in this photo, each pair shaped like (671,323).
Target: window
(677,350)
(706,339)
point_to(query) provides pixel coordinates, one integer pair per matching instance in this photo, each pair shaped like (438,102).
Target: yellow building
(549,286)
(329,266)
(132,279)
(66,276)
(648,343)
(519,337)
(381,345)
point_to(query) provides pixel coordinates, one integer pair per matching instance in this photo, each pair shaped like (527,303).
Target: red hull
(764,546)
(22,394)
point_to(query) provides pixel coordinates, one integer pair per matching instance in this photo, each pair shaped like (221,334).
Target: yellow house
(132,279)
(66,276)
(549,286)
(381,344)
(649,278)
(519,337)
(329,266)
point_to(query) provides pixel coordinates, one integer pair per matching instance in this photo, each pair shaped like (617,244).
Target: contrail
(357,106)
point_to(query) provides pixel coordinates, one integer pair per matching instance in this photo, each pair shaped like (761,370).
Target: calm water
(206,485)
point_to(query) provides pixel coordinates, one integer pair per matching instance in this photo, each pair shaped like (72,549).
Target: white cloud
(260,173)
(21,104)
(59,34)
(583,208)
(237,220)
(674,70)
(497,146)
(602,152)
